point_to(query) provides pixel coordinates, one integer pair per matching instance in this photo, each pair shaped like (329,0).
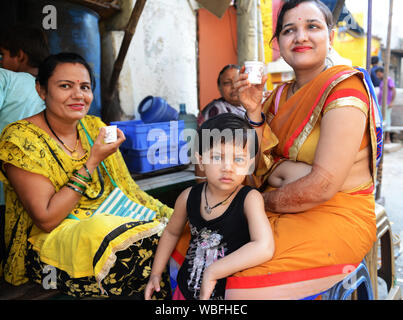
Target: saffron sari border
(300,135)
(280,278)
(303,290)
(347,102)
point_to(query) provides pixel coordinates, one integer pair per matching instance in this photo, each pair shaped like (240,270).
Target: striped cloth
(119,204)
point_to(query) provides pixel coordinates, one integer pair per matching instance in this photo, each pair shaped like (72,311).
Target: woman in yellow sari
(323,223)
(54,182)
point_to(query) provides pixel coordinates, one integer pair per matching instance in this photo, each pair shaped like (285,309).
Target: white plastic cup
(111,134)
(254,69)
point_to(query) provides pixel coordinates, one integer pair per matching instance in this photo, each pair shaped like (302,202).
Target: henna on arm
(302,194)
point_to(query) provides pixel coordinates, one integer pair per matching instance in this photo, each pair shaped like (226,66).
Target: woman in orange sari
(323,223)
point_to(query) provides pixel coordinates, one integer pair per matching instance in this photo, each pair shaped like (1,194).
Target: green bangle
(78,185)
(79,175)
(88,171)
(75,189)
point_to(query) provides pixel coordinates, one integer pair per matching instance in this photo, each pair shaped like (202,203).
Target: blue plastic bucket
(156,109)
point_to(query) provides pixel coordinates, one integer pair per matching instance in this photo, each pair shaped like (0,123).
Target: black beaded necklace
(207,208)
(74,152)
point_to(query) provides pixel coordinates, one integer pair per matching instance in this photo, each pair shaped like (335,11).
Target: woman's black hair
(227,123)
(48,66)
(291,4)
(228,66)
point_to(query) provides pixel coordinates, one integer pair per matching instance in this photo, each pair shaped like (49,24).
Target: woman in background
(229,100)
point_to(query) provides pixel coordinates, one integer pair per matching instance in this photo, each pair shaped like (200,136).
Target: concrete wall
(161,60)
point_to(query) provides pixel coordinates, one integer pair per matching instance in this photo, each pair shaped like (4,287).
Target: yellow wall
(267,22)
(347,46)
(353,48)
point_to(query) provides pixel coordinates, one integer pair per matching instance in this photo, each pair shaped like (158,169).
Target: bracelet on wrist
(79,175)
(88,172)
(82,187)
(75,189)
(79,180)
(256,124)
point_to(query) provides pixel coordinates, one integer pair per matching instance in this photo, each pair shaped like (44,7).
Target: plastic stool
(385,237)
(384,245)
(358,280)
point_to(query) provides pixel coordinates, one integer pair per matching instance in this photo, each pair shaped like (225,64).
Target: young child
(22,48)
(229,228)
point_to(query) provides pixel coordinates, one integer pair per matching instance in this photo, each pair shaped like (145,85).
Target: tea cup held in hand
(110,134)
(254,69)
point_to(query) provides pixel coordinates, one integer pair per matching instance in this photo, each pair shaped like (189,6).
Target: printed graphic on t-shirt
(205,248)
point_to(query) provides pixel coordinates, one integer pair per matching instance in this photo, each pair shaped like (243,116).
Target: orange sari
(316,248)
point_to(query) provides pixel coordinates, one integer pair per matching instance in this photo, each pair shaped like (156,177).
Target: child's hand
(152,285)
(207,286)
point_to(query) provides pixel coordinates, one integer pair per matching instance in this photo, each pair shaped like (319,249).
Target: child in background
(229,228)
(22,48)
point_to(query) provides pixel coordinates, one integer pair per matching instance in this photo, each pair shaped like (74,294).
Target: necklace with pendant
(207,208)
(74,152)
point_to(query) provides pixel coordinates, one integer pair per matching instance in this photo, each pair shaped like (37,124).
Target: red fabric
(178,295)
(280,278)
(366,191)
(347,93)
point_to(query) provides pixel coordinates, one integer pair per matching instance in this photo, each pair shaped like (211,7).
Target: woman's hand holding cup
(250,95)
(100,150)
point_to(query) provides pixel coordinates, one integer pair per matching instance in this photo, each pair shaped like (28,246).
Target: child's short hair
(29,39)
(227,123)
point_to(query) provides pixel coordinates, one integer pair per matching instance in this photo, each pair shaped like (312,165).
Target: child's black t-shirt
(211,240)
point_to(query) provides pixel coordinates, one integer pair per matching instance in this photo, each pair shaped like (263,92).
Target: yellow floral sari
(82,247)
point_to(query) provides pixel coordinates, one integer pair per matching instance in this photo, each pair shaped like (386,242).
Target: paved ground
(392,194)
